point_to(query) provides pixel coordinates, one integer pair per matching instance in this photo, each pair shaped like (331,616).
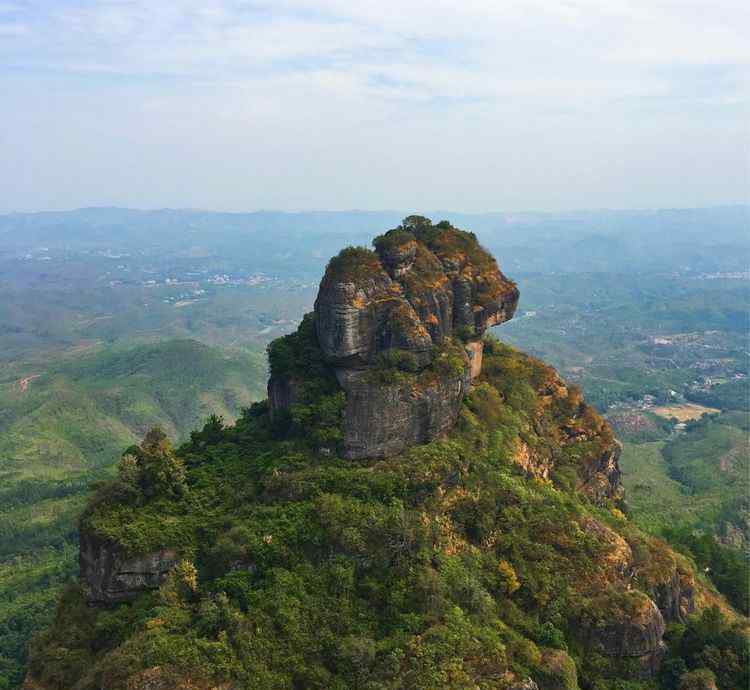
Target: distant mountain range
(698,239)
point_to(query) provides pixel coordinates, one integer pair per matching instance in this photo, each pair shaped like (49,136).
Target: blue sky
(471,105)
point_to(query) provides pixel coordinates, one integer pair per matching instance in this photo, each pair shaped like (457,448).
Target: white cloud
(545,95)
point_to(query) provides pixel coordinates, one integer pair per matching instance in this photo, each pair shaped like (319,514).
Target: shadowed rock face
(381,421)
(283,391)
(110,578)
(632,634)
(675,597)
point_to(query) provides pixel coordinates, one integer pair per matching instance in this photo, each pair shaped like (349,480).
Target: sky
(468,105)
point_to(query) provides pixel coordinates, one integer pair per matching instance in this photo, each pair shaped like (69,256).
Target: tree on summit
(153,467)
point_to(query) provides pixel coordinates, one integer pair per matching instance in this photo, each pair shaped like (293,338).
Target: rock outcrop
(675,598)
(422,284)
(580,434)
(110,577)
(629,629)
(670,583)
(601,478)
(402,328)
(384,419)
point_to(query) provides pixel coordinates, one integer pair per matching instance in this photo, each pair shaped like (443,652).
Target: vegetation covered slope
(65,428)
(692,489)
(446,566)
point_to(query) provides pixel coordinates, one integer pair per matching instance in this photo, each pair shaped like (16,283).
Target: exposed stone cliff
(110,577)
(629,630)
(422,284)
(418,307)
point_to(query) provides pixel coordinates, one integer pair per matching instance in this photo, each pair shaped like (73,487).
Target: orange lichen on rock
(445,282)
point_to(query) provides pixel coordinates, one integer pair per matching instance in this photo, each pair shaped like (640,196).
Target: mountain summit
(401,328)
(415,507)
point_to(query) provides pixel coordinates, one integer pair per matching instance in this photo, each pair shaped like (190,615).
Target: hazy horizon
(428,212)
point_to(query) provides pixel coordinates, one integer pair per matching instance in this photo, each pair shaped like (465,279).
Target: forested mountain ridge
(490,553)
(63,424)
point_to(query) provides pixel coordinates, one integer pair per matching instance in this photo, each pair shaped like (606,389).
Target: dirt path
(685,411)
(23,384)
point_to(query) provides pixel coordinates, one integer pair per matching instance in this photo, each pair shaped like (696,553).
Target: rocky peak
(401,328)
(422,284)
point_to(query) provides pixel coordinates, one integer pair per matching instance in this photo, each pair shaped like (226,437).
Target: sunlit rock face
(424,286)
(422,283)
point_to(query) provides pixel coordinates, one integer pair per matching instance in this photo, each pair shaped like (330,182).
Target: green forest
(113,322)
(444,567)
(65,431)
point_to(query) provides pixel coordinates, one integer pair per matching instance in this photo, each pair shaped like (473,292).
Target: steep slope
(65,428)
(489,553)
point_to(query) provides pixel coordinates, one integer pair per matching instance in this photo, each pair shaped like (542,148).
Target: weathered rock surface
(676,598)
(671,585)
(422,284)
(601,479)
(631,634)
(382,420)
(109,577)
(359,316)
(578,427)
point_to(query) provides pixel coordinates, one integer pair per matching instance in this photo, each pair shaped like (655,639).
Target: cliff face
(109,577)
(383,420)
(422,284)
(631,634)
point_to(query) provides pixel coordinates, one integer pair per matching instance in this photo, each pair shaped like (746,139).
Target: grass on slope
(693,491)
(654,498)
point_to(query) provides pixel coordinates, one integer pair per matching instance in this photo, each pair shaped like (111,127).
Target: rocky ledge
(629,628)
(110,577)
